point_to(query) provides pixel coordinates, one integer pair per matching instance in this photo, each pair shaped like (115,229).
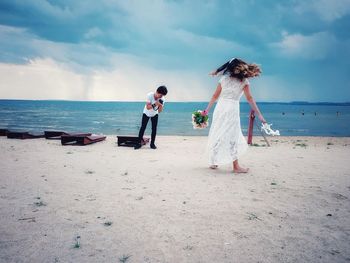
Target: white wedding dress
(226,142)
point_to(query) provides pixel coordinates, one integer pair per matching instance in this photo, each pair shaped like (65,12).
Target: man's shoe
(153,146)
(138,146)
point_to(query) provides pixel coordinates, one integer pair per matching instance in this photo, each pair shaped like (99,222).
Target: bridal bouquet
(199,120)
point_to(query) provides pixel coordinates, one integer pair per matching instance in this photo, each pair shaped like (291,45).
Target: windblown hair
(240,69)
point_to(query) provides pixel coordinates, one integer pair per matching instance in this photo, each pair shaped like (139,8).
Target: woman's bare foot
(213,166)
(240,170)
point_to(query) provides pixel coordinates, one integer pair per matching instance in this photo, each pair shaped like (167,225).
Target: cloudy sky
(120,50)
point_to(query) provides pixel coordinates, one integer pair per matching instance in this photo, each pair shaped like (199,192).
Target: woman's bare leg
(239,169)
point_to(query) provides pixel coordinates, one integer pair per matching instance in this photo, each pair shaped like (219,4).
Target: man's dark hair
(162,90)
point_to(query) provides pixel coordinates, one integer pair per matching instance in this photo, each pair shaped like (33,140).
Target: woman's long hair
(240,69)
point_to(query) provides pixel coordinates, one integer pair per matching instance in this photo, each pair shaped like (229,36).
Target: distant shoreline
(306,103)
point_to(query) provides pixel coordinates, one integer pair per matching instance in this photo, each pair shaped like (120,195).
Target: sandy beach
(103,203)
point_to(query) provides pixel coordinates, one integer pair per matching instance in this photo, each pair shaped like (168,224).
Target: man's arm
(160,106)
(148,105)
(148,102)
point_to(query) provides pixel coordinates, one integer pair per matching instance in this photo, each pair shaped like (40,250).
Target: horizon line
(285,102)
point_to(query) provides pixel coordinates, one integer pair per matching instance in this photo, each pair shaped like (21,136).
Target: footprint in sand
(339,196)
(90,198)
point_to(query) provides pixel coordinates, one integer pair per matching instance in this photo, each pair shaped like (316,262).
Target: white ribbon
(231,60)
(267,129)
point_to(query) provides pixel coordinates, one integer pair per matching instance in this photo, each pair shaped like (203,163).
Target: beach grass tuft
(40,203)
(77,242)
(252,216)
(258,145)
(124,258)
(108,223)
(188,247)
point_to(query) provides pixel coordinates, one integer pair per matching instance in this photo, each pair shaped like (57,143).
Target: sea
(124,118)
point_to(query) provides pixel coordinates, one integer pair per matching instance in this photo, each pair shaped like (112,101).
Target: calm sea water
(123,118)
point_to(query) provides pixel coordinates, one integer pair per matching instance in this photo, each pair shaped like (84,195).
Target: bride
(226,142)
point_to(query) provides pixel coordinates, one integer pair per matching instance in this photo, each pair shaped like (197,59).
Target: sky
(115,50)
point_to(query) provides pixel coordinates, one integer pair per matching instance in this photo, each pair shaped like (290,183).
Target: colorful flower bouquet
(199,119)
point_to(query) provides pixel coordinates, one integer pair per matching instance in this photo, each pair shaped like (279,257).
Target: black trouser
(154,121)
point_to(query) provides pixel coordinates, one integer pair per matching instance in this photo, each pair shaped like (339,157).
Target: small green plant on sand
(40,203)
(124,258)
(77,242)
(252,216)
(108,223)
(258,145)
